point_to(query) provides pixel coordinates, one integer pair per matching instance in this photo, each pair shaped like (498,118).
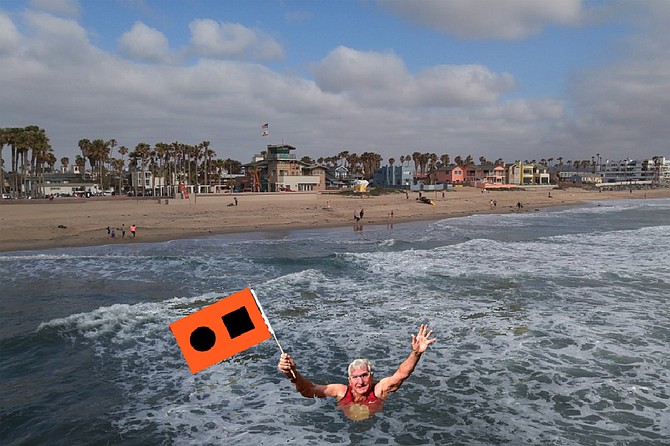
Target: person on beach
(362,397)
(133,228)
(123,230)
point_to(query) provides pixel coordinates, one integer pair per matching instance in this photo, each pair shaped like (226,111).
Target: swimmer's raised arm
(420,343)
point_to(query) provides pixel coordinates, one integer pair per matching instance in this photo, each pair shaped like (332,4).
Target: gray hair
(359,363)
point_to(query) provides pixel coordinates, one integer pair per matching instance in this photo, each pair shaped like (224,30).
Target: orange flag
(220,330)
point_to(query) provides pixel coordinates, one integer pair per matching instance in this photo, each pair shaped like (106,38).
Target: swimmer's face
(360,380)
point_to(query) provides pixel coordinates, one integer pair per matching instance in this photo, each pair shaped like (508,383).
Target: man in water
(363,396)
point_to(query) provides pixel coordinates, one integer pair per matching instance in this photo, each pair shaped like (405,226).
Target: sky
(510,79)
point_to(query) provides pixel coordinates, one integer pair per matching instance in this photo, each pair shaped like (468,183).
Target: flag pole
(267,322)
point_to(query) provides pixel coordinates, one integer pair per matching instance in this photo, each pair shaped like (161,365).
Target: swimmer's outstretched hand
(421,340)
(287,366)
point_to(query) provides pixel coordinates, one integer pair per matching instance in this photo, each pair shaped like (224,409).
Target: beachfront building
(662,164)
(147,183)
(450,175)
(629,170)
(279,170)
(338,177)
(580,178)
(520,173)
(489,175)
(399,177)
(64,184)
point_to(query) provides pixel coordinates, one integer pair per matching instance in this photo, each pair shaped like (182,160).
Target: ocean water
(553,328)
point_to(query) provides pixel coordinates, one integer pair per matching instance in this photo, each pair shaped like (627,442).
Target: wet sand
(70,222)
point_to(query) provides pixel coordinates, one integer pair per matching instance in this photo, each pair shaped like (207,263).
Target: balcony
(280,156)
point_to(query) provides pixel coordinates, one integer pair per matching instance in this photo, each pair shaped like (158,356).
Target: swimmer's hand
(287,366)
(422,340)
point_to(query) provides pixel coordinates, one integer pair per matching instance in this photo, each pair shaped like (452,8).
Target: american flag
(265,126)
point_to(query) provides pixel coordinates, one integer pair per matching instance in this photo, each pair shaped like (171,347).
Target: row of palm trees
(31,153)
(196,164)
(175,163)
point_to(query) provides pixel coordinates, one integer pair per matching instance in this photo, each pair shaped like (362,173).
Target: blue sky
(515,79)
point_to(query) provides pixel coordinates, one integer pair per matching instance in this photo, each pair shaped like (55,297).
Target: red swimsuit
(363,410)
(348,398)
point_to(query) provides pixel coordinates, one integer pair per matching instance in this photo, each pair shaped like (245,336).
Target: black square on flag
(238,322)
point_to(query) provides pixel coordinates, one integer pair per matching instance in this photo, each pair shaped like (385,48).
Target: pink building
(451,174)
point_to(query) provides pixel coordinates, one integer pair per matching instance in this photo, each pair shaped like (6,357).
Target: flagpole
(267,322)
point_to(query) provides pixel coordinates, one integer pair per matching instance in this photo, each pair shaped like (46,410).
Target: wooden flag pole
(267,322)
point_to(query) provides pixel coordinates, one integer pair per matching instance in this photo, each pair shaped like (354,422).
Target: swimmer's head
(359,364)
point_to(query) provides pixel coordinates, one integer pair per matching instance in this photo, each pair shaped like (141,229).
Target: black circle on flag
(203,339)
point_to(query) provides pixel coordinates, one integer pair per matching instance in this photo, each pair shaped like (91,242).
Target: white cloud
(63,8)
(381,79)
(145,43)
(9,35)
(56,78)
(210,38)
(57,41)
(488,19)
(625,104)
(346,69)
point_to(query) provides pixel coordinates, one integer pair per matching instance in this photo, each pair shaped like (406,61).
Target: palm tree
(65,161)
(445,159)
(371,162)
(207,155)
(100,152)
(433,159)
(343,155)
(194,156)
(416,156)
(162,152)
(142,151)
(23,145)
(11,138)
(352,162)
(42,153)
(80,162)
(122,151)
(112,144)
(424,158)
(117,166)
(3,142)
(85,147)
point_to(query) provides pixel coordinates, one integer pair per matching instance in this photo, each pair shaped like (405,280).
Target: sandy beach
(69,222)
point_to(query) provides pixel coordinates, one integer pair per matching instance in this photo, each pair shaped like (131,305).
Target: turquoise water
(553,328)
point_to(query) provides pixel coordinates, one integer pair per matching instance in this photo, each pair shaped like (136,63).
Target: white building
(634,171)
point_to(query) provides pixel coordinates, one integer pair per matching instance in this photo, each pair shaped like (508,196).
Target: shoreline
(34,225)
